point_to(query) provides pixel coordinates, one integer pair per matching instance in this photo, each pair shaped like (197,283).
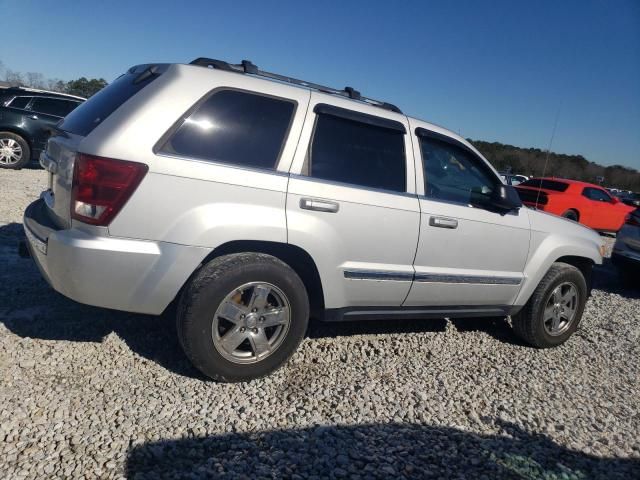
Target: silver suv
(255,200)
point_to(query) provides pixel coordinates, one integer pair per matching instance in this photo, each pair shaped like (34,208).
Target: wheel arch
(573,209)
(297,258)
(580,251)
(584,264)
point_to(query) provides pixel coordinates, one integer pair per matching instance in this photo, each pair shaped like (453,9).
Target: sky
(493,70)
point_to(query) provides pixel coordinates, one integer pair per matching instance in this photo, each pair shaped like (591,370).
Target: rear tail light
(101,187)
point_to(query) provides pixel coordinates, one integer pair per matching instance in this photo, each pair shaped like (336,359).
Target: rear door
(468,256)
(351,202)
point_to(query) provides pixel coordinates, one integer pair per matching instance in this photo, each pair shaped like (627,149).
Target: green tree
(84,87)
(535,162)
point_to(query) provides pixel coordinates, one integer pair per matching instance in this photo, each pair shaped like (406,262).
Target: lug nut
(262,319)
(255,330)
(254,310)
(242,316)
(242,329)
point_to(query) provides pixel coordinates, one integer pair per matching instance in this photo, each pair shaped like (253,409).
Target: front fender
(547,248)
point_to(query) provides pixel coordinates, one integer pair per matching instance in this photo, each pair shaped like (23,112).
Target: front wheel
(555,309)
(242,316)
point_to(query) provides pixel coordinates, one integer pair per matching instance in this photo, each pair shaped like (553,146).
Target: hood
(549,223)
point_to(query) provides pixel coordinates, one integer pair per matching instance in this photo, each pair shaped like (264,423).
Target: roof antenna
(546,160)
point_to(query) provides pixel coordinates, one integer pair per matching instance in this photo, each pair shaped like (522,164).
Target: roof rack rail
(248,67)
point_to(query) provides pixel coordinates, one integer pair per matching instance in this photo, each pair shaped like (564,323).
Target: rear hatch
(66,141)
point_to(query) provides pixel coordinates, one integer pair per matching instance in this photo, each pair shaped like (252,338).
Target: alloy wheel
(560,309)
(251,322)
(10,151)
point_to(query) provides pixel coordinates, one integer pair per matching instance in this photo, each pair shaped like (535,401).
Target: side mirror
(505,198)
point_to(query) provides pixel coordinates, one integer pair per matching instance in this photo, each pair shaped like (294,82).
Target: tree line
(532,162)
(82,87)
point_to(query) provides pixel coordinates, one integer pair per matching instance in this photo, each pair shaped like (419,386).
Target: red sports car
(582,202)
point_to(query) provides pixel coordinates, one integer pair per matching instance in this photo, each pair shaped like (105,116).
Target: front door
(468,255)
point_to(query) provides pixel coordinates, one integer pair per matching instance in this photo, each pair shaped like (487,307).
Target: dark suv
(26,117)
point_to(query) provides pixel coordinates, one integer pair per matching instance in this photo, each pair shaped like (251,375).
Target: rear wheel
(571,215)
(242,316)
(14,151)
(554,310)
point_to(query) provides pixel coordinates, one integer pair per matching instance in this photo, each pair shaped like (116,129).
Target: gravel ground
(92,393)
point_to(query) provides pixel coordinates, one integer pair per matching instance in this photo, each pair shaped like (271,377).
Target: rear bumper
(119,273)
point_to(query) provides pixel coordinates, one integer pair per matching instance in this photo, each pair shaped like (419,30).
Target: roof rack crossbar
(249,68)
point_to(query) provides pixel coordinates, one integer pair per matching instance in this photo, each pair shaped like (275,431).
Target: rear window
(546,184)
(357,153)
(94,111)
(234,127)
(19,102)
(57,107)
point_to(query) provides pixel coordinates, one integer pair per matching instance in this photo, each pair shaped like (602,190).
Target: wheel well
(295,257)
(17,131)
(575,210)
(585,265)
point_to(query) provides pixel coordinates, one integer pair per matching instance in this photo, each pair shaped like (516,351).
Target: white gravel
(94,393)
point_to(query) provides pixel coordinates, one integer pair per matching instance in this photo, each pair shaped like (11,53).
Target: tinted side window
(596,194)
(357,153)
(52,106)
(19,102)
(546,184)
(454,174)
(234,127)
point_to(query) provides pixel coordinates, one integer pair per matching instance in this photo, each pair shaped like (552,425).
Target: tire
(571,215)
(14,151)
(227,301)
(532,325)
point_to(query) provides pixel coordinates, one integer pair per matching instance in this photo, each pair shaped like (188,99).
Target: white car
(254,200)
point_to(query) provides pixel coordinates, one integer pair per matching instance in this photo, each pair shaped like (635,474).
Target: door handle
(443,222)
(319,205)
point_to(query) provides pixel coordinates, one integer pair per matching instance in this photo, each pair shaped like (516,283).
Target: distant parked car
(626,251)
(26,117)
(582,202)
(629,198)
(513,179)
